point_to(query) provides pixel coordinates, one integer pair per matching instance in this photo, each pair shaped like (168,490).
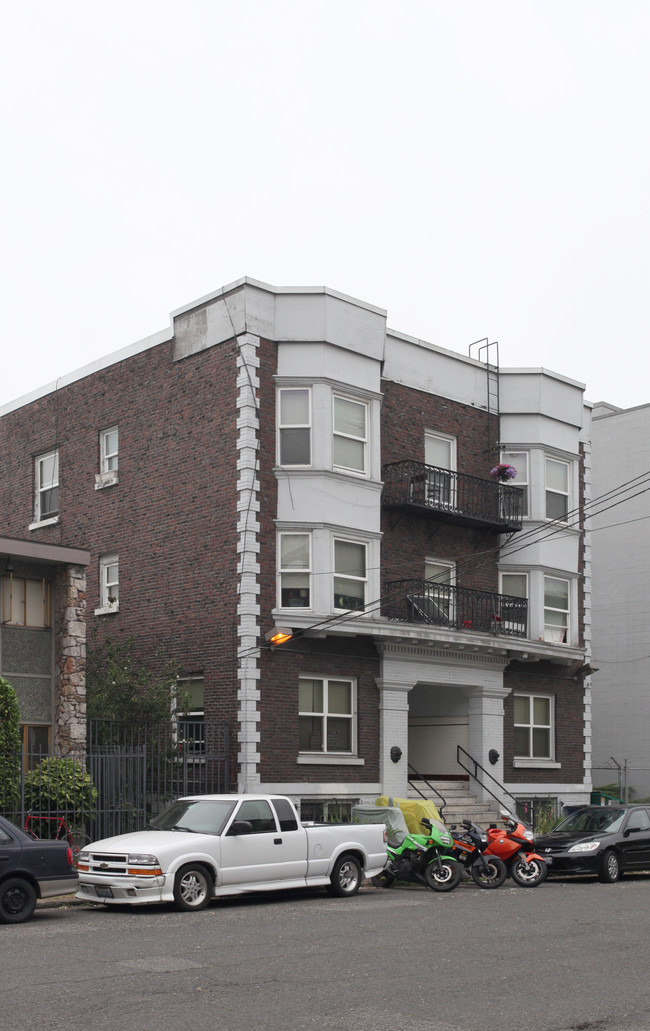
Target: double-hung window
(557,490)
(440,457)
(326,718)
(533,715)
(47,486)
(350,575)
(350,435)
(294,426)
(295,570)
(519,461)
(556,610)
(109,583)
(109,440)
(513,612)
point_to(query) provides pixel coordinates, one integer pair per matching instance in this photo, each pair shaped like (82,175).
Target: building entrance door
(432,744)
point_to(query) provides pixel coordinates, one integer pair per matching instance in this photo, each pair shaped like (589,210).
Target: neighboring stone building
(621,602)
(279,458)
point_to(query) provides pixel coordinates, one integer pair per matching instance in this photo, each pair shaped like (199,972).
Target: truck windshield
(198,816)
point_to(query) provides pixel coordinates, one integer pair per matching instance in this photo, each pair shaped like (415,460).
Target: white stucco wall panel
(418,364)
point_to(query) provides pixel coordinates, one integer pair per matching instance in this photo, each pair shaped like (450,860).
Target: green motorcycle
(418,858)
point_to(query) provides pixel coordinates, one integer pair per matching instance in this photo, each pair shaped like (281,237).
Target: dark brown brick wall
(544,678)
(171,518)
(281,668)
(410,538)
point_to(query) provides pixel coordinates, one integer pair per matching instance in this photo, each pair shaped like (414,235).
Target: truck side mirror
(241,827)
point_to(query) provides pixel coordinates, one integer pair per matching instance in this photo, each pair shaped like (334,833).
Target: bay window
(295,570)
(294,426)
(556,610)
(557,490)
(349,575)
(350,434)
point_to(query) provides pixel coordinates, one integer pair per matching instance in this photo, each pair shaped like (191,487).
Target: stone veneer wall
(70,659)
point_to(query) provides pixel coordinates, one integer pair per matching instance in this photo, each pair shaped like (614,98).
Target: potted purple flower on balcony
(503,472)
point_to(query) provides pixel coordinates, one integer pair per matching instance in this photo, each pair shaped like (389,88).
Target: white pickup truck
(208,846)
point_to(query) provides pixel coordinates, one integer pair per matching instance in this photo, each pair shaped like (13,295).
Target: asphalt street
(566,956)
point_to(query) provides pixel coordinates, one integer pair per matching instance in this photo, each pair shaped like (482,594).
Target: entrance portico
(433,699)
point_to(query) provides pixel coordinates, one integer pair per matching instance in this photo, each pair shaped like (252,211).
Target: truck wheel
(346,877)
(17,900)
(192,888)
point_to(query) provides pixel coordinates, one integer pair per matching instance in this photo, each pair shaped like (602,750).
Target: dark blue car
(600,840)
(31,869)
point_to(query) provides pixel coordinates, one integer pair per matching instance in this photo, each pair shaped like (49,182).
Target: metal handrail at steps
(474,774)
(441,801)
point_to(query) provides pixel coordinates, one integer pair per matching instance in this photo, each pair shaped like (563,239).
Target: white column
(485,709)
(393,733)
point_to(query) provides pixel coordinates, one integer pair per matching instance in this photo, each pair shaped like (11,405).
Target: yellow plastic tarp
(414,810)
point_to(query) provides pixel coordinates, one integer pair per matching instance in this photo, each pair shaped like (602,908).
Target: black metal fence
(127,774)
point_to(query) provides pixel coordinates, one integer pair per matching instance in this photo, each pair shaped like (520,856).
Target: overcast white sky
(476,167)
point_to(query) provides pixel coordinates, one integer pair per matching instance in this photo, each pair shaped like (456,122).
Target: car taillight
(68,856)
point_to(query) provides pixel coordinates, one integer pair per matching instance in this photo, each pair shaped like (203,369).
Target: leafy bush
(10,747)
(60,785)
(119,687)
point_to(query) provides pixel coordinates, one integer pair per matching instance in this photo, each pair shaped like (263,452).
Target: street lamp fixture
(279,635)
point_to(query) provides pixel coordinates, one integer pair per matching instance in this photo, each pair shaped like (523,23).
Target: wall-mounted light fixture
(9,566)
(278,635)
(585,671)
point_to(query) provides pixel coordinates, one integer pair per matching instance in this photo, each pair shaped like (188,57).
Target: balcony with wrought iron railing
(452,496)
(457,608)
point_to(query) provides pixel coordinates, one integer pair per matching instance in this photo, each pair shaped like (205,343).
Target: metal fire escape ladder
(488,353)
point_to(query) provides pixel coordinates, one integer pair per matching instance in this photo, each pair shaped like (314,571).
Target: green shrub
(10,747)
(60,785)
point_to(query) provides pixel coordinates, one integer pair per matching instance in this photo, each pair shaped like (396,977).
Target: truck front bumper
(136,890)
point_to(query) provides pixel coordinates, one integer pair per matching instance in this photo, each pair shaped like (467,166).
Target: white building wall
(621,599)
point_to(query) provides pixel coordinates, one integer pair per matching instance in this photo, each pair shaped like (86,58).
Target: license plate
(102,892)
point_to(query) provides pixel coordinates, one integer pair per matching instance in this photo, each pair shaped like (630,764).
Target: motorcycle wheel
(383,879)
(443,878)
(491,876)
(528,875)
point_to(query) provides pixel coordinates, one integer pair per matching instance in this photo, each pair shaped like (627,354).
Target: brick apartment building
(279,458)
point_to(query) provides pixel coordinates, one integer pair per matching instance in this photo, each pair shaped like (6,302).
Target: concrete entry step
(460,804)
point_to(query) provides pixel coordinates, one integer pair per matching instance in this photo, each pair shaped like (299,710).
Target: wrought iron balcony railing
(459,608)
(455,497)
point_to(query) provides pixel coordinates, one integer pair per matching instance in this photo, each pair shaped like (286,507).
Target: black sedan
(602,840)
(31,869)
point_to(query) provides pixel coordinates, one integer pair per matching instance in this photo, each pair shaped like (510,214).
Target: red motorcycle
(514,845)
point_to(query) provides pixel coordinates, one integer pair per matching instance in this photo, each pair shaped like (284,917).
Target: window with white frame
(295,570)
(519,461)
(26,602)
(557,490)
(533,725)
(440,453)
(109,582)
(350,575)
(46,504)
(326,720)
(556,610)
(350,419)
(108,447)
(294,426)
(514,613)
(435,602)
